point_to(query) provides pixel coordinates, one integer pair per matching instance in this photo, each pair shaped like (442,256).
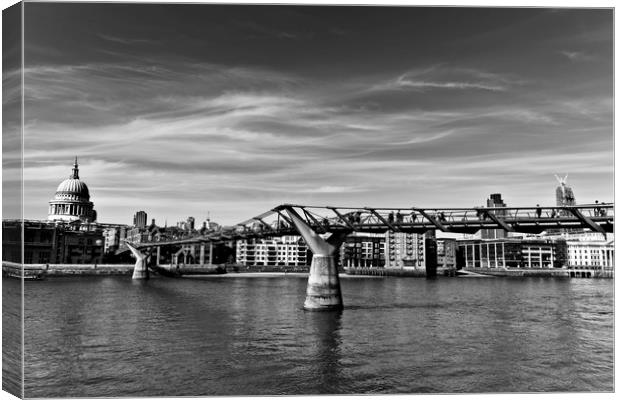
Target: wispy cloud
(128,41)
(445,77)
(407,83)
(253,29)
(334,189)
(428,138)
(576,55)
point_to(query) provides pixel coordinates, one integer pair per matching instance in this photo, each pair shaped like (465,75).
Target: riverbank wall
(234,268)
(529,272)
(32,271)
(192,269)
(516,272)
(412,273)
(40,271)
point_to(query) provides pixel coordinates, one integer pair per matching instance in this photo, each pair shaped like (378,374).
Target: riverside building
(409,250)
(391,250)
(598,255)
(113,238)
(589,250)
(282,251)
(446,253)
(514,253)
(363,250)
(49,242)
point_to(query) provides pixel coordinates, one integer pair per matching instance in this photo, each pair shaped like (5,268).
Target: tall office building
(494,201)
(190,223)
(187,225)
(139,219)
(564,194)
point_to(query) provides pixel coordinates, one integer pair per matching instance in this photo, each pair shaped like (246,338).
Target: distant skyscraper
(494,201)
(139,219)
(564,194)
(189,225)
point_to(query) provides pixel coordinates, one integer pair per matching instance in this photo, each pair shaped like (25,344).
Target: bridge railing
(345,216)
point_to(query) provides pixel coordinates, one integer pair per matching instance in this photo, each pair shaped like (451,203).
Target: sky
(230,110)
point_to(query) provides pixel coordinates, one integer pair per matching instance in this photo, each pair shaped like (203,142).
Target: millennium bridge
(324,229)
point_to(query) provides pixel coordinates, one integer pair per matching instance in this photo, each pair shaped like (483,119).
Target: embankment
(40,271)
(415,273)
(521,272)
(33,271)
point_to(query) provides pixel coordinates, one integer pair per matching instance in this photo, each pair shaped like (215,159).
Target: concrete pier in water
(323,291)
(140,270)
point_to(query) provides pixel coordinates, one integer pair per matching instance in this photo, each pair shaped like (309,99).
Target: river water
(111,336)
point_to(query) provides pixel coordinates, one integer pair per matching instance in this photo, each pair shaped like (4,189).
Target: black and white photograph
(225,199)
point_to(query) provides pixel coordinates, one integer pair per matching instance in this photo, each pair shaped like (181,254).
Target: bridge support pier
(323,291)
(140,270)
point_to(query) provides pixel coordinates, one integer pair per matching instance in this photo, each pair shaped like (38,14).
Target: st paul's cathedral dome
(72,200)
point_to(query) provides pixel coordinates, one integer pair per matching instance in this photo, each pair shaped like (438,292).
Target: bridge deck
(275,222)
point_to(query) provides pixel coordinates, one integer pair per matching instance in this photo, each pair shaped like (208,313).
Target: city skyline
(183,110)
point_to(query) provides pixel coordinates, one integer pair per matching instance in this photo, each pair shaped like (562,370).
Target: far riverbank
(42,271)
